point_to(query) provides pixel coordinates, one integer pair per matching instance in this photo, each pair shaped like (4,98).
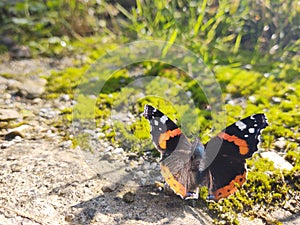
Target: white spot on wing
(251,130)
(163,119)
(246,135)
(241,125)
(155,123)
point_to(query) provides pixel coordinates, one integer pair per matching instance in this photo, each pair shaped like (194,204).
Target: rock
(32,88)
(18,139)
(146,165)
(140,174)
(280,143)
(66,144)
(106,156)
(109,149)
(9,114)
(154,166)
(37,100)
(109,188)
(279,162)
(21,131)
(100,135)
(3,83)
(6,96)
(64,98)
(132,156)
(16,168)
(252,99)
(69,217)
(128,197)
(48,113)
(6,145)
(276,99)
(19,52)
(118,151)
(143,181)
(13,84)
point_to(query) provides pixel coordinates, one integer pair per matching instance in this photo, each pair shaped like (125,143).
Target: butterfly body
(219,164)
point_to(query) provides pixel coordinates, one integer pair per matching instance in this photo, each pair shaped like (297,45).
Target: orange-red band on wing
(230,188)
(242,144)
(177,187)
(164,137)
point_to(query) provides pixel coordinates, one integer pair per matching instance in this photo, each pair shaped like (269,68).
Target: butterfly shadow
(147,204)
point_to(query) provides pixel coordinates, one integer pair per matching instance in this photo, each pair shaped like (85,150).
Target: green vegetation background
(251,46)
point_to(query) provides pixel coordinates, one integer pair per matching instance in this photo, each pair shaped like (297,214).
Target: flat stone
(21,131)
(33,88)
(13,84)
(9,114)
(279,162)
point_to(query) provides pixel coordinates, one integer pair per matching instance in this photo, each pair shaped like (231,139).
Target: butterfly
(220,164)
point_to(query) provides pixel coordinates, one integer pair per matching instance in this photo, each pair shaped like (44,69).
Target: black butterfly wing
(236,143)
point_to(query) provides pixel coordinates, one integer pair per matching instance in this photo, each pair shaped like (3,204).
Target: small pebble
(64,98)
(69,217)
(128,197)
(109,188)
(16,168)
(118,151)
(280,143)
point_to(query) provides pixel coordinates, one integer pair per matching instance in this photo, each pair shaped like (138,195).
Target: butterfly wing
(236,143)
(178,166)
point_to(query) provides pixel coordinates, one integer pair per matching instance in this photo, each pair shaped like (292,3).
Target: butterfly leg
(210,193)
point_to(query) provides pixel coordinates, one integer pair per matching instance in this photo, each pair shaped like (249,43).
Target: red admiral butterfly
(185,166)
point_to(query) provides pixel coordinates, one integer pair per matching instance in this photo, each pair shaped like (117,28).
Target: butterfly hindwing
(176,153)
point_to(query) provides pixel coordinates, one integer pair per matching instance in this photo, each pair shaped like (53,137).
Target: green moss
(293,156)
(64,82)
(132,140)
(83,140)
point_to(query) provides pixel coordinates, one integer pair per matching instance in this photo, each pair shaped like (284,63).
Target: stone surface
(279,162)
(33,88)
(21,131)
(9,114)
